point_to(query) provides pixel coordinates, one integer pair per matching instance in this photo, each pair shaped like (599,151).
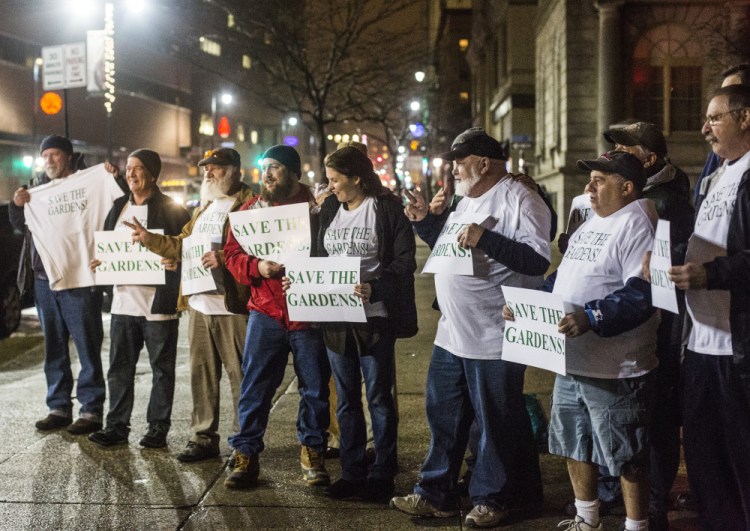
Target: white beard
(464,186)
(211,191)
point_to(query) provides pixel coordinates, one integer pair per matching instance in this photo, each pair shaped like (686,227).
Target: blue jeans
(267,346)
(458,390)
(377,369)
(128,334)
(73,312)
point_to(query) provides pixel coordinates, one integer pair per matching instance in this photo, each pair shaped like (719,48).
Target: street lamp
(415,105)
(419,76)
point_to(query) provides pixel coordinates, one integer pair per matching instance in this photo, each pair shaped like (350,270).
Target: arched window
(667,78)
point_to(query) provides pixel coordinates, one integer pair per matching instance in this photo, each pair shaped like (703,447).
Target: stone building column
(610,78)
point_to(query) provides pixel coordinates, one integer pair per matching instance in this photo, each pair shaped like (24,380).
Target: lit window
(463,96)
(230,20)
(210,47)
(247,63)
(463,44)
(667,79)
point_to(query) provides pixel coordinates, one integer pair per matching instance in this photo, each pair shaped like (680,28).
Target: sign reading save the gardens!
(275,233)
(532,338)
(195,277)
(447,256)
(663,294)
(124,262)
(322,289)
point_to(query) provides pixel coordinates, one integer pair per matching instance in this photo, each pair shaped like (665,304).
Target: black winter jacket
(396,249)
(163,213)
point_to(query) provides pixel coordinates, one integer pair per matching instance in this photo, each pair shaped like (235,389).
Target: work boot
(313,467)
(84,426)
(52,422)
(245,472)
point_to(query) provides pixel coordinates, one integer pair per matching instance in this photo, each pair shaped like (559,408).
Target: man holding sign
(468,378)
(716,276)
(271,335)
(217,324)
(602,407)
(142,314)
(62,210)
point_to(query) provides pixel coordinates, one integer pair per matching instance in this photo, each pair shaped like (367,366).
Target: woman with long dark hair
(362,218)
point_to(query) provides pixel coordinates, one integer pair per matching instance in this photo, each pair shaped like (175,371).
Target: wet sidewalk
(56,481)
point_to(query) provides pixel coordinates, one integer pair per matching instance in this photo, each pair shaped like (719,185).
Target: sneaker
(108,437)
(379,489)
(485,516)
(245,472)
(52,422)
(313,467)
(154,438)
(416,505)
(342,489)
(197,452)
(83,426)
(578,524)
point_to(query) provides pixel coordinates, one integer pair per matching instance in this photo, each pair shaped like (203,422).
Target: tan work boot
(314,467)
(245,472)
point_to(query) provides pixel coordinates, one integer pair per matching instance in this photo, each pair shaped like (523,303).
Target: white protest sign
(323,289)
(663,294)
(447,256)
(532,338)
(195,277)
(275,233)
(124,262)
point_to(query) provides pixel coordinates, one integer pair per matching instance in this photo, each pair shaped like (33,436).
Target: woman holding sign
(362,218)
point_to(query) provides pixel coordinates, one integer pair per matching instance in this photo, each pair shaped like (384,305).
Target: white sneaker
(485,516)
(578,524)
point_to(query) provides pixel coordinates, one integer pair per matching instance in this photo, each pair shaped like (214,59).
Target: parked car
(10,299)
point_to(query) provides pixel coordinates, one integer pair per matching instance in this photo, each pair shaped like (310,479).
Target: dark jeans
(458,390)
(716,431)
(63,314)
(376,366)
(128,335)
(267,346)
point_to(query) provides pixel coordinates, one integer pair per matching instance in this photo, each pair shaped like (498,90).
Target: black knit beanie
(287,155)
(150,159)
(58,142)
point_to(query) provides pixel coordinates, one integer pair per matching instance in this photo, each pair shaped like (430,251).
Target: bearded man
(217,318)
(271,336)
(468,381)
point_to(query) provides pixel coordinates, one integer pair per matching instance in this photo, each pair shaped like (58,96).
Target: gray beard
(465,185)
(211,191)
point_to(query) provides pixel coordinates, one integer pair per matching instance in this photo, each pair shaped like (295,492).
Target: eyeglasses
(713,119)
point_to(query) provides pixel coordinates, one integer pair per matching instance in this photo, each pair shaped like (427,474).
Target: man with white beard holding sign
(468,378)
(217,316)
(601,408)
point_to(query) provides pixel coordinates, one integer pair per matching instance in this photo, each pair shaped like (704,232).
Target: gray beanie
(287,155)
(150,159)
(57,142)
